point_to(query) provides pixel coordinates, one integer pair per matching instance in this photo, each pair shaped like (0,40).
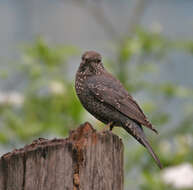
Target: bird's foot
(109,127)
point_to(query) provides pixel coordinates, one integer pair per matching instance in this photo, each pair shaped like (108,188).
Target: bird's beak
(87,69)
(93,64)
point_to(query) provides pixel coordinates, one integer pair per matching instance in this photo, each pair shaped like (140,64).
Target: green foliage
(43,54)
(50,105)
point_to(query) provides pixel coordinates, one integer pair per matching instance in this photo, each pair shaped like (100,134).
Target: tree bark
(86,160)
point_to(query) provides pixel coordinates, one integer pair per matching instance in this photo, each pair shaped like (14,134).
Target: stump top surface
(76,136)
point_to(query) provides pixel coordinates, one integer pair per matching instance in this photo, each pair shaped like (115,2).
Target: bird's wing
(109,90)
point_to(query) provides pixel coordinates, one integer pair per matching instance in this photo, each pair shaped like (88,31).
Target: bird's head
(91,63)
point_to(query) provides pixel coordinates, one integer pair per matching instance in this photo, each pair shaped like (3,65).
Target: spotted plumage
(106,99)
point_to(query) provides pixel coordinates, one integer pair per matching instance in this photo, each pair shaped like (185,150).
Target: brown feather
(112,92)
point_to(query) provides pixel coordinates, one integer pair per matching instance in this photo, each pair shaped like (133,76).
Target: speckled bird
(106,99)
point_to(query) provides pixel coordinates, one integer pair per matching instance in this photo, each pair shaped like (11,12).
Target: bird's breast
(79,84)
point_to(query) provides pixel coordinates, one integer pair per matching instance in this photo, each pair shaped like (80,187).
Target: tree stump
(86,160)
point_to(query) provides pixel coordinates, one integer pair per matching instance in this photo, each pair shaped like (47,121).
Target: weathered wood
(86,160)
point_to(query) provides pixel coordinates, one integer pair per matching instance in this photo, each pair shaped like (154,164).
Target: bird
(104,97)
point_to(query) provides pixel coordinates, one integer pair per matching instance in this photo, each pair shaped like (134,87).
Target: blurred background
(147,44)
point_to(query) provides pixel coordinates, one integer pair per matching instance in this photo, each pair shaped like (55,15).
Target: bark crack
(24,170)
(4,167)
(79,142)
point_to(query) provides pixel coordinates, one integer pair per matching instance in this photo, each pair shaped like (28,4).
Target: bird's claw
(109,127)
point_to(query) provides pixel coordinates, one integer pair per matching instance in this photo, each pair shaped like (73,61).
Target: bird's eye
(98,60)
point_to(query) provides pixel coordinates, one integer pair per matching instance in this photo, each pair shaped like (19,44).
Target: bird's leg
(109,126)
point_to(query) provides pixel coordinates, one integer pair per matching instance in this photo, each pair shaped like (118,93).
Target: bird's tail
(137,132)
